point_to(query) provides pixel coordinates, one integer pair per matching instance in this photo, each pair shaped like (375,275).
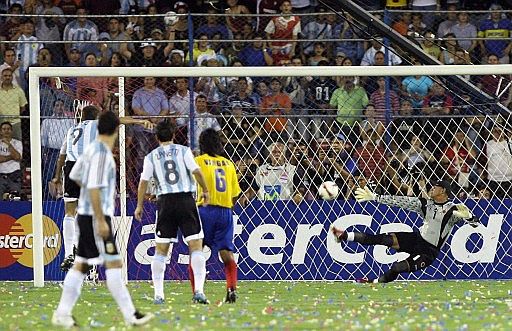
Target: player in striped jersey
(77,139)
(173,168)
(95,172)
(439,214)
(217,218)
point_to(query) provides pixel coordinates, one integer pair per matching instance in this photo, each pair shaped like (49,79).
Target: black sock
(373,239)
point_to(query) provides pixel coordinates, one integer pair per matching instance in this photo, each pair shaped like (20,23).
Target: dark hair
(165,131)
(9,49)
(6,123)
(107,123)
(210,143)
(89,113)
(201,96)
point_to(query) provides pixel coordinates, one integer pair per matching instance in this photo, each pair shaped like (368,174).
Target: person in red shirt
(286,26)
(276,103)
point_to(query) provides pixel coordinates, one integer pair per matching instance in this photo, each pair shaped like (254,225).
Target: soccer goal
(396,129)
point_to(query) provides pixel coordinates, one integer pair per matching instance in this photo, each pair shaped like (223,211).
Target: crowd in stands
(372,136)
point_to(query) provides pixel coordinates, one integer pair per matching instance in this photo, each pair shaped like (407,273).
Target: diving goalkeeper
(439,214)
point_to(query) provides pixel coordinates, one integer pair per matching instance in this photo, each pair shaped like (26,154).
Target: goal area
(355,126)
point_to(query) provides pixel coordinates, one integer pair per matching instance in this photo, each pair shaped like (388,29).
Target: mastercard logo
(16,239)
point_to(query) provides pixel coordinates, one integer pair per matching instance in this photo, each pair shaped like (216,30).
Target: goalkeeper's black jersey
(438,218)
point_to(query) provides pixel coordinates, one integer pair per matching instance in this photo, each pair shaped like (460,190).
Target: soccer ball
(170,18)
(328,190)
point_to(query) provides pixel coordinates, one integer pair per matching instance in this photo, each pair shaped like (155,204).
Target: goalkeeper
(439,214)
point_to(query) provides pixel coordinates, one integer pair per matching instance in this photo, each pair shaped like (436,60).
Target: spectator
(349,100)
(498,150)
(202,120)
(92,89)
(458,158)
(74,57)
(53,133)
(68,7)
(153,22)
(371,159)
(80,29)
(286,26)
(301,158)
(246,170)
(241,98)
(296,88)
(318,29)
(266,7)
(10,156)
(496,29)
(176,58)
(12,24)
(438,103)
(27,48)
(201,47)
(379,100)
(256,54)
(403,127)
(369,55)
(417,27)
(214,88)
(451,19)
(10,62)
(426,5)
(401,25)
(318,95)
(241,136)
(212,25)
(450,46)
(274,104)
(464,29)
(318,54)
(116,33)
(134,27)
(235,23)
(50,28)
(13,103)
(495,85)
(148,57)
(370,125)
(429,46)
(261,92)
(415,88)
(346,31)
(180,28)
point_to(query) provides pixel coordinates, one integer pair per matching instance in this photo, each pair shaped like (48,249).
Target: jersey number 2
(220,180)
(171,173)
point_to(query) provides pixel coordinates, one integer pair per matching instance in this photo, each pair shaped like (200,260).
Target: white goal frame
(35,73)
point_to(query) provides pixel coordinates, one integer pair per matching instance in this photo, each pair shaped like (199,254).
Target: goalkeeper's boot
(139,318)
(231,296)
(67,263)
(339,234)
(200,298)
(66,321)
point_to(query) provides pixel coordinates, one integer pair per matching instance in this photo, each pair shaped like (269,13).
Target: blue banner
(281,241)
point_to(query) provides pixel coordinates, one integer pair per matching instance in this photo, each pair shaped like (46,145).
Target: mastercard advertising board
(16,241)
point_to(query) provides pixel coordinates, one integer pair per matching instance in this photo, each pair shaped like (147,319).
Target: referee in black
(439,214)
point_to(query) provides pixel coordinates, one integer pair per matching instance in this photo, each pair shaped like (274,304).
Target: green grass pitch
(440,305)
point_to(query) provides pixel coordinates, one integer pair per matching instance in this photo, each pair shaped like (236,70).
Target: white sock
(70,292)
(198,263)
(119,291)
(68,233)
(157,274)
(350,236)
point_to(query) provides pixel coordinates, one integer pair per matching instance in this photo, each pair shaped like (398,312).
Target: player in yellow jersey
(217,218)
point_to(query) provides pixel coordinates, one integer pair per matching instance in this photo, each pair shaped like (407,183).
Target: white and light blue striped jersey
(96,168)
(27,52)
(76,31)
(171,166)
(78,138)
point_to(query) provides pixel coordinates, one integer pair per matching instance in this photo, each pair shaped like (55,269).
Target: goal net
(287,134)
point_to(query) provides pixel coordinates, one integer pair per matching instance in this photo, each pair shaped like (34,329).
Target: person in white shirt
(499,162)
(202,120)
(10,156)
(369,55)
(10,61)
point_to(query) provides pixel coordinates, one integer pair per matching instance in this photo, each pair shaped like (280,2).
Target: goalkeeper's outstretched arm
(463,213)
(410,203)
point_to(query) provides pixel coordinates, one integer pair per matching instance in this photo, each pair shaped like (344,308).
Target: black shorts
(177,210)
(71,189)
(92,249)
(422,253)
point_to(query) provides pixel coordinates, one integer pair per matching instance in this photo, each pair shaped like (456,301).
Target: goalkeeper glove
(462,211)
(364,194)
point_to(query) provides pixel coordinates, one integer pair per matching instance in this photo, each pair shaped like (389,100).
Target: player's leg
(158,271)
(389,240)
(69,234)
(411,264)
(231,270)
(198,265)
(223,239)
(107,249)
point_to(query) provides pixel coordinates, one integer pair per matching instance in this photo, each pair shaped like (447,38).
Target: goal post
(36,73)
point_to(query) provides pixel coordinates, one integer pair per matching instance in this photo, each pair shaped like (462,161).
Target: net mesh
(286,137)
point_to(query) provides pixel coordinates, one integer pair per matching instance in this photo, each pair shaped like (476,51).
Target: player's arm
(205,195)
(409,203)
(130,120)
(147,171)
(463,213)
(76,172)
(99,217)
